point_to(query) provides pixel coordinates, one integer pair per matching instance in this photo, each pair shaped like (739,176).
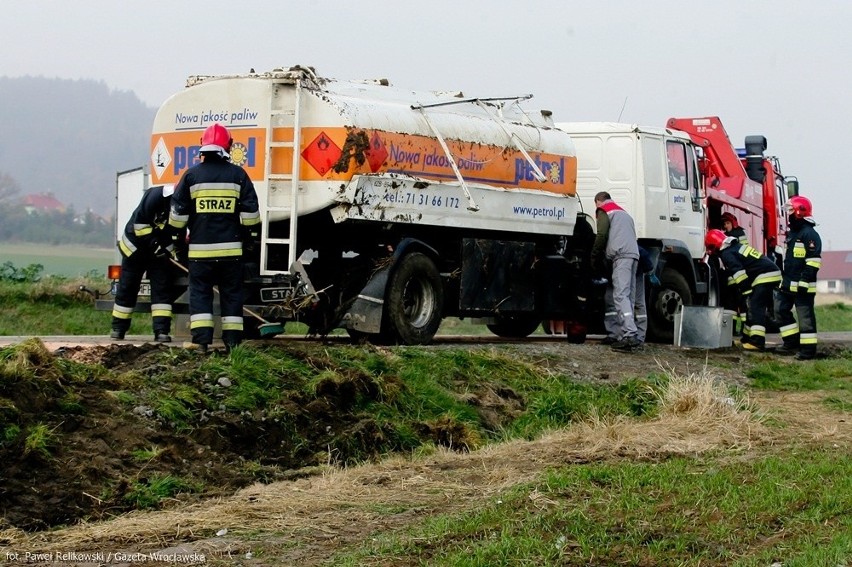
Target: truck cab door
(686,210)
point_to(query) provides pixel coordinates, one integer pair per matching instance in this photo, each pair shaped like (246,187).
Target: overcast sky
(778,68)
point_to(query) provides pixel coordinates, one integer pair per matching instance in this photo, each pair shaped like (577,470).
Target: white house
(835,274)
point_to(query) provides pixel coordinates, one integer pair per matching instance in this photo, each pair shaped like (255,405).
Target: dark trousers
(227,277)
(801,334)
(160,274)
(735,301)
(759,301)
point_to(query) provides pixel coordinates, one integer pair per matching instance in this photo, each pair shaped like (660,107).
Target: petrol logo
(187,156)
(240,154)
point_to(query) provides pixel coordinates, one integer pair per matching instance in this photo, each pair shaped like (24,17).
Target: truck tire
(672,293)
(414,301)
(514,327)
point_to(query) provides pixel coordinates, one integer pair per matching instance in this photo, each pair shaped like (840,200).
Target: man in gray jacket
(615,256)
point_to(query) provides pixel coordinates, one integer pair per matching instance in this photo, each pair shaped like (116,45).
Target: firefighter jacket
(739,233)
(144,231)
(803,257)
(747,267)
(215,200)
(616,236)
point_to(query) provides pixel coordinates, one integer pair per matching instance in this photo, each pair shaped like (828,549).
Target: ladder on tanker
(286,184)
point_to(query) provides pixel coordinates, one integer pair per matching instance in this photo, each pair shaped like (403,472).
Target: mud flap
(365,314)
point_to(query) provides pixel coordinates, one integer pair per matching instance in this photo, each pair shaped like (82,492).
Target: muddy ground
(95,469)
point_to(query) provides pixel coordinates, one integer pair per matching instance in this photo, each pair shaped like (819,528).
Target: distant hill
(70,137)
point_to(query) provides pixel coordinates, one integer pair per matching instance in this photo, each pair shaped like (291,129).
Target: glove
(165,251)
(654,279)
(600,281)
(250,240)
(803,287)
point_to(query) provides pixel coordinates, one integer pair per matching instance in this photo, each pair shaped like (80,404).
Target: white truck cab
(650,172)
(653,174)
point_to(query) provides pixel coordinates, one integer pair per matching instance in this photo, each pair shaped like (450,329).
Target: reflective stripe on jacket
(746,266)
(803,258)
(214,200)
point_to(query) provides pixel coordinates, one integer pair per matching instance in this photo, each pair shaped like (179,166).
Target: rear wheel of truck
(672,294)
(414,301)
(514,326)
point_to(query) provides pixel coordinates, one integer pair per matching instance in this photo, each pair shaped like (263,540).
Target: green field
(70,261)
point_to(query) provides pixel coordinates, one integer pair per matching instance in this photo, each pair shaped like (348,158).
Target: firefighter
(615,256)
(216,201)
(798,287)
(145,247)
(754,275)
(739,302)
(731,227)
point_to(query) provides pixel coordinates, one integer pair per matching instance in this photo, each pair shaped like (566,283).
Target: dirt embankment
(87,433)
(102,453)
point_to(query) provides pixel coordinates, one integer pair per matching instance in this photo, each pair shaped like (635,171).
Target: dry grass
(697,415)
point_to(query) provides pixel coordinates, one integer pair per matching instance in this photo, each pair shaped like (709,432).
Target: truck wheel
(673,293)
(414,301)
(514,326)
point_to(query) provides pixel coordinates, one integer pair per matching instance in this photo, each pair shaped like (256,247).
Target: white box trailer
(130,185)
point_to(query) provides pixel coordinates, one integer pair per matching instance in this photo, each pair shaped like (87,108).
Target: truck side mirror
(792,186)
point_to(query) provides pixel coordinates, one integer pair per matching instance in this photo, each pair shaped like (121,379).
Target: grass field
(69,261)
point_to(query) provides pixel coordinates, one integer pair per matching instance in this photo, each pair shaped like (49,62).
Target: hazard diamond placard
(377,154)
(322,153)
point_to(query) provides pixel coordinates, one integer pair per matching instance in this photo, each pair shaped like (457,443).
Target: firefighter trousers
(133,269)
(759,301)
(799,332)
(227,277)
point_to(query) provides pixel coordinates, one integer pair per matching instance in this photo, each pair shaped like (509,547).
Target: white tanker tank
(344,167)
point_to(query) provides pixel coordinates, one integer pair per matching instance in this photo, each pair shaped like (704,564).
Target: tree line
(54,227)
(68,138)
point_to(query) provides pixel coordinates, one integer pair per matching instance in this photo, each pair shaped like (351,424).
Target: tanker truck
(386,210)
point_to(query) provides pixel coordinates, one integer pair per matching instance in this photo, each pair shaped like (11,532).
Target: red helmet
(714,239)
(731,219)
(216,139)
(800,207)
